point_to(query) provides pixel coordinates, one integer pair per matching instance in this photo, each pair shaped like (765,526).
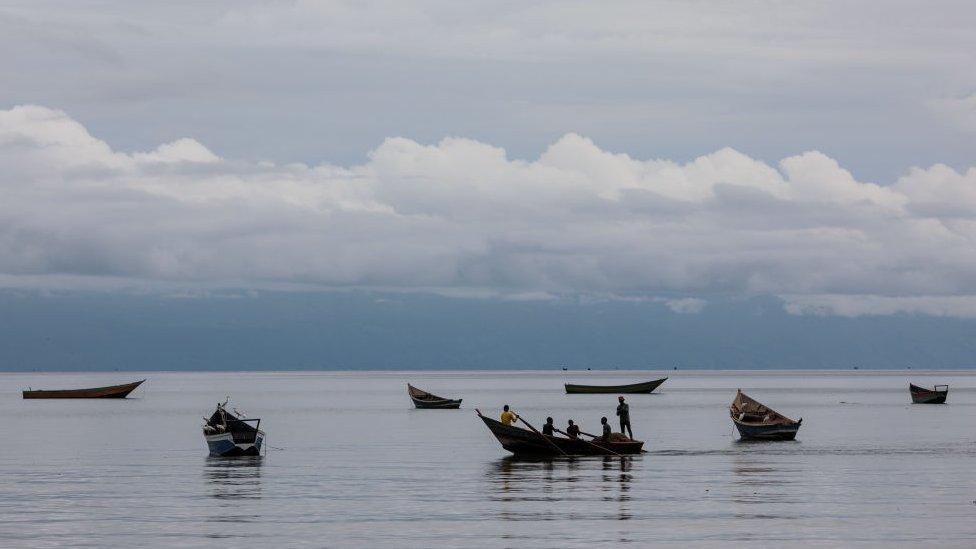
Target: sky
(670,154)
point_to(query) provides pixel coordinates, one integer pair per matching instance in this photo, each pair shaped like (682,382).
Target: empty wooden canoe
(936,395)
(112,391)
(423,399)
(645,387)
(756,421)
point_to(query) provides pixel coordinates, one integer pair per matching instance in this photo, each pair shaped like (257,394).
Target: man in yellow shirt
(508,417)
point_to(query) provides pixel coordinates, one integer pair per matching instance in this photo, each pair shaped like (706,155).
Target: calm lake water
(354,465)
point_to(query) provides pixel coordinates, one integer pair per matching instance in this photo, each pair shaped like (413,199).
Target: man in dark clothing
(548,427)
(572,430)
(623,410)
(606,428)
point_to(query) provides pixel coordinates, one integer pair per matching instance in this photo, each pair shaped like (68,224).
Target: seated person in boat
(572,430)
(547,429)
(508,416)
(606,429)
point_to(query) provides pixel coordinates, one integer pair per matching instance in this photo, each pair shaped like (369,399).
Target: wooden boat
(112,391)
(423,399)
(936,395)
(645,387)
(756,421)
(523,442)
(229,434)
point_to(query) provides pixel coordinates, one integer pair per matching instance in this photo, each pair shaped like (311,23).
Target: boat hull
(112,391)
(525,443)
(921,395)
(223,445)
(427,401)
(632,388)
(751,431)
(443,404)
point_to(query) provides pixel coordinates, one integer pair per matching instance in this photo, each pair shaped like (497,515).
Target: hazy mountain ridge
(368,330)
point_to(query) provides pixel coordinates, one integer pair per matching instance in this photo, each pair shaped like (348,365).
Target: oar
(551,443)
(588,442)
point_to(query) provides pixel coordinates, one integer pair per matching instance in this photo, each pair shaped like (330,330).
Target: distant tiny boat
(921,395)
(230,434)
(645,387)
(523,442)
(112,391)
(423,399)
(756,421)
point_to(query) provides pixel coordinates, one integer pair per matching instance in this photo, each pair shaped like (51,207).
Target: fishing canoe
(229,434)
(526,443)
(425,400)
(112,391)
(936,395)
(756,421)
(645,387)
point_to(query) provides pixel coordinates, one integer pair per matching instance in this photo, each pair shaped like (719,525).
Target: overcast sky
(822,152)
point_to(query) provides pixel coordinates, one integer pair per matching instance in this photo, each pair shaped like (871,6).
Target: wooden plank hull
(443,404)
(921,395)
(632,388)
(112,391)
(523,442)
(766,432)
(756,421)
(427,401)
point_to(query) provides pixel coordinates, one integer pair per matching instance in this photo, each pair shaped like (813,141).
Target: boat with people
(532,443)
(631,388)
(423,399)
(921,395)
(230,434)
(756,421)
(111,391)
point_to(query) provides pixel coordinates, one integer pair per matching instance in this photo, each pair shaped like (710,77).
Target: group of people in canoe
(508,418)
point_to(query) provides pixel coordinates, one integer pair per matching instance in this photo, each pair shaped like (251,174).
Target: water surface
(352,464)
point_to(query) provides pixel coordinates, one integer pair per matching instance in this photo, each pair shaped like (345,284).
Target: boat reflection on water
(234,478)
(763,488)
(537,485)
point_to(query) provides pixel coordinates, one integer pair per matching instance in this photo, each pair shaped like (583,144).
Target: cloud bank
(460,216)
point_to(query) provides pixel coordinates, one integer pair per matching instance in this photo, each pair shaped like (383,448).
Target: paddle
(588,442)
(551,443)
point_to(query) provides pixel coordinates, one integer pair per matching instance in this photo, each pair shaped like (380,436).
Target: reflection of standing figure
(623,410)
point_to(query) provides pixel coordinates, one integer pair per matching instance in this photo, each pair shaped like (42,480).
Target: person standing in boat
(508,416)
(547,429)
(572,430)
(623,412)
(606,429)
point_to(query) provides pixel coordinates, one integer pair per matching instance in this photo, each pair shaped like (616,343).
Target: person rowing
(572,430)
(548,428)
(508,417)
(606,429)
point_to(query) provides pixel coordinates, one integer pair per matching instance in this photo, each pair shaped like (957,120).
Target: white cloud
(687,305)
(875,305)
(460,216)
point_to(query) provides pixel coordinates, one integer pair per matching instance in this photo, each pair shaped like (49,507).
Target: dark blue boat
(228,434)
(756,421)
